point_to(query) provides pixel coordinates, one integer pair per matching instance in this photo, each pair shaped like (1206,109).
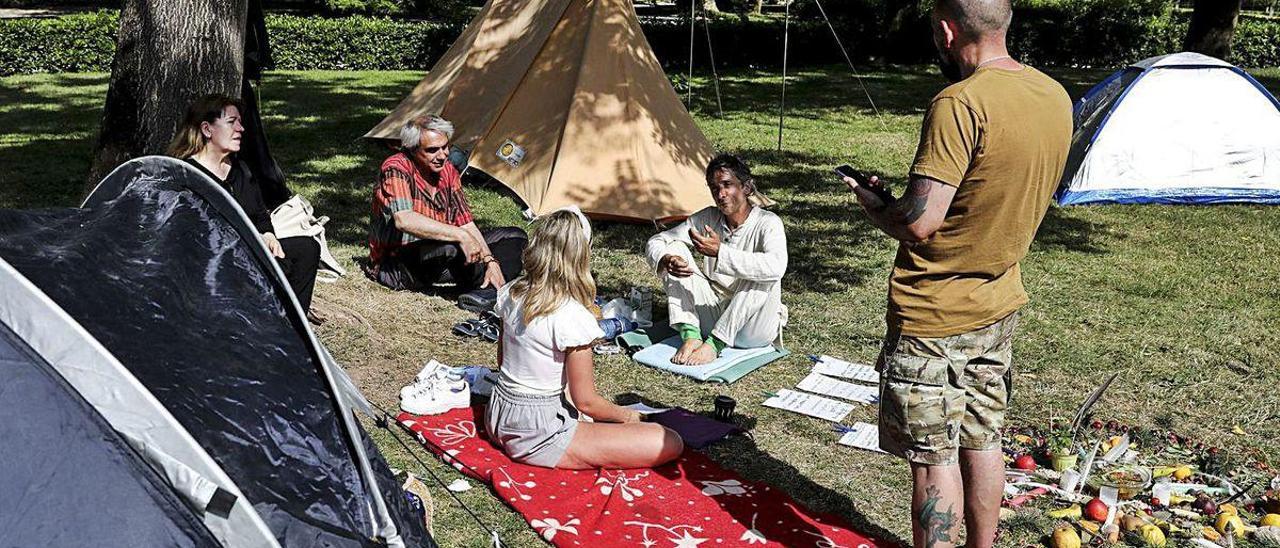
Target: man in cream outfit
(732,295)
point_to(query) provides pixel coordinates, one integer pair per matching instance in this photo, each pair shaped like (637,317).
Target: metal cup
(724,408)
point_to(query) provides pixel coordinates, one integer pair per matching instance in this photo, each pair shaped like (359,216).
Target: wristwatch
(488,259)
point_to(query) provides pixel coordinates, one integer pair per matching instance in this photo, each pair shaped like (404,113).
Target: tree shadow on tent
(740,454)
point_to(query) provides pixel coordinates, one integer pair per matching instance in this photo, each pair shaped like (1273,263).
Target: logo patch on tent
(511,153)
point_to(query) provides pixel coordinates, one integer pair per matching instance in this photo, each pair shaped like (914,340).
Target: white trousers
(744,315)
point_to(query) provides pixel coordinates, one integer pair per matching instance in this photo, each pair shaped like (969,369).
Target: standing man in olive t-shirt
(990,155)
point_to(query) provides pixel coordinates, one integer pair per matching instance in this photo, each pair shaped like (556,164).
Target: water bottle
(613,327)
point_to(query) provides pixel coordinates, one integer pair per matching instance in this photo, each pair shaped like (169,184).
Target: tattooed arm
(915,216)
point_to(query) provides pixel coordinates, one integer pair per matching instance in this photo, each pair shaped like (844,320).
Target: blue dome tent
(1176,129)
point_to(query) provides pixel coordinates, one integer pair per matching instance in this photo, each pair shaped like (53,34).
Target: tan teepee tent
(564,102)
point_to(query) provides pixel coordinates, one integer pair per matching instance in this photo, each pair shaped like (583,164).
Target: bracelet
(488,259)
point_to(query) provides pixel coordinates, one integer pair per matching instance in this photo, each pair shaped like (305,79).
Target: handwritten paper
(836,367)
(808,404)
(863,436)
(827,386)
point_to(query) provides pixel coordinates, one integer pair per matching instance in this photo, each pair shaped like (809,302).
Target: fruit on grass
(1270,520)
(1131,523)
(1232,522)
(1024,462)
(1210,534)
(1204,505)
(1092,527)
(1152,535)
(1228,509)
(1270,502)
(1182,473)
(1065,536)
(1096,510)
(1070,512)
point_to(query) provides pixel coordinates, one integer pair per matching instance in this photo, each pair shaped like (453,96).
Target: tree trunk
(168,53)
(710,6)
(1213,23)
(758,7)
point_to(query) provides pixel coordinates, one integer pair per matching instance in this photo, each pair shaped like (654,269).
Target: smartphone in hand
(864,181)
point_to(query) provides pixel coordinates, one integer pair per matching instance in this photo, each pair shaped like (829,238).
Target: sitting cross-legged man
(421,231)
(731,294)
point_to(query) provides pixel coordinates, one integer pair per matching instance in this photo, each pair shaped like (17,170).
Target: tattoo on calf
(937,525)
(911,206)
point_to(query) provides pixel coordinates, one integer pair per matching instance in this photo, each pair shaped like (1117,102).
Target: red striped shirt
(400,186)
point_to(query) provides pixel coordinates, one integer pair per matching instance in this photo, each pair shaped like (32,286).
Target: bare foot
(686,349)
(705,354)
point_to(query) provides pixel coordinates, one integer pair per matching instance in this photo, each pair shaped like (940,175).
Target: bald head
(977,18)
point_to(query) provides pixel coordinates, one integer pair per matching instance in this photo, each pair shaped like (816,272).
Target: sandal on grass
(469,328)
(489,332)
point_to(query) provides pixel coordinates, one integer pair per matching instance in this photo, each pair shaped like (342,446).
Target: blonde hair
(557,266)
(189,139)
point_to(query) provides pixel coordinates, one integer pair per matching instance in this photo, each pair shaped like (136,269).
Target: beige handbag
(296,217)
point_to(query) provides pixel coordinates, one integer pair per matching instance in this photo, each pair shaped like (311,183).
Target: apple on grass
(1096,510)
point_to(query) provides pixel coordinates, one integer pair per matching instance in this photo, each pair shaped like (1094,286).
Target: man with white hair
(991,152)
(421,231)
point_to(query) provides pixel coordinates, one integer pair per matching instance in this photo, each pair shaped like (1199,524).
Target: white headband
(582,218)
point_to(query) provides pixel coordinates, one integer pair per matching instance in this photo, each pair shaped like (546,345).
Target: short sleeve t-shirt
(533,354)
(1001,138)
(401,187)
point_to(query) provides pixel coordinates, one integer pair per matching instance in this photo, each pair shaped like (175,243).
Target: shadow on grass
(50,125)
(739,453)
(1061,230)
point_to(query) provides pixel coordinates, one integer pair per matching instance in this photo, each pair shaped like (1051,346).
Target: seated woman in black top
(209,138)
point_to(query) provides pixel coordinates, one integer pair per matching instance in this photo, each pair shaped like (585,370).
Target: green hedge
(1078,33)
(356,42)
(74,43)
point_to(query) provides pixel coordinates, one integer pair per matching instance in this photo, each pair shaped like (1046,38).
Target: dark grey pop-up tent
(161,385)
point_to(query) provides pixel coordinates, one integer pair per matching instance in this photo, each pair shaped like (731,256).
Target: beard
(949,67)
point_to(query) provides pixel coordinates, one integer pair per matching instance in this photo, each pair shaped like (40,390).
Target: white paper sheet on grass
(827,386)
(836,367)
(808,404)
(863,436)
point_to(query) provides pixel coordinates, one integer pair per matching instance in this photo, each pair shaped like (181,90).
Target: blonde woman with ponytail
(545,349)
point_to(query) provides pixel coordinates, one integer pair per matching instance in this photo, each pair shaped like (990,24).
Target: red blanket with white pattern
(690,503)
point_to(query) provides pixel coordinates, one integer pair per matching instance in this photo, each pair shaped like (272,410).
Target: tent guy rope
(786,39)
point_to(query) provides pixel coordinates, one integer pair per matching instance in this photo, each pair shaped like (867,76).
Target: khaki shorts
(938,395)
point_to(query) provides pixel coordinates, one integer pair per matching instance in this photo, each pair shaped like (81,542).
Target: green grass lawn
(1168,297)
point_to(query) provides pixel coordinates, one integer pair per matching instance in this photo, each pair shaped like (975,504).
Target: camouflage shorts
(938,395)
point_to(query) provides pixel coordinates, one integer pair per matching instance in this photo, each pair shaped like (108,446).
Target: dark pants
(429,262)
(301,259)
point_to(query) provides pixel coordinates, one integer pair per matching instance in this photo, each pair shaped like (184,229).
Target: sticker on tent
(511,153)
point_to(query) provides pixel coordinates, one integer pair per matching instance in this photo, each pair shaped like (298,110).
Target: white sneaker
(433,370)
(435,396)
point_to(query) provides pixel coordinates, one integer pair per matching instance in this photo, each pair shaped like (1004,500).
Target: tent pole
(693,7)
(786,37)
(715,78)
